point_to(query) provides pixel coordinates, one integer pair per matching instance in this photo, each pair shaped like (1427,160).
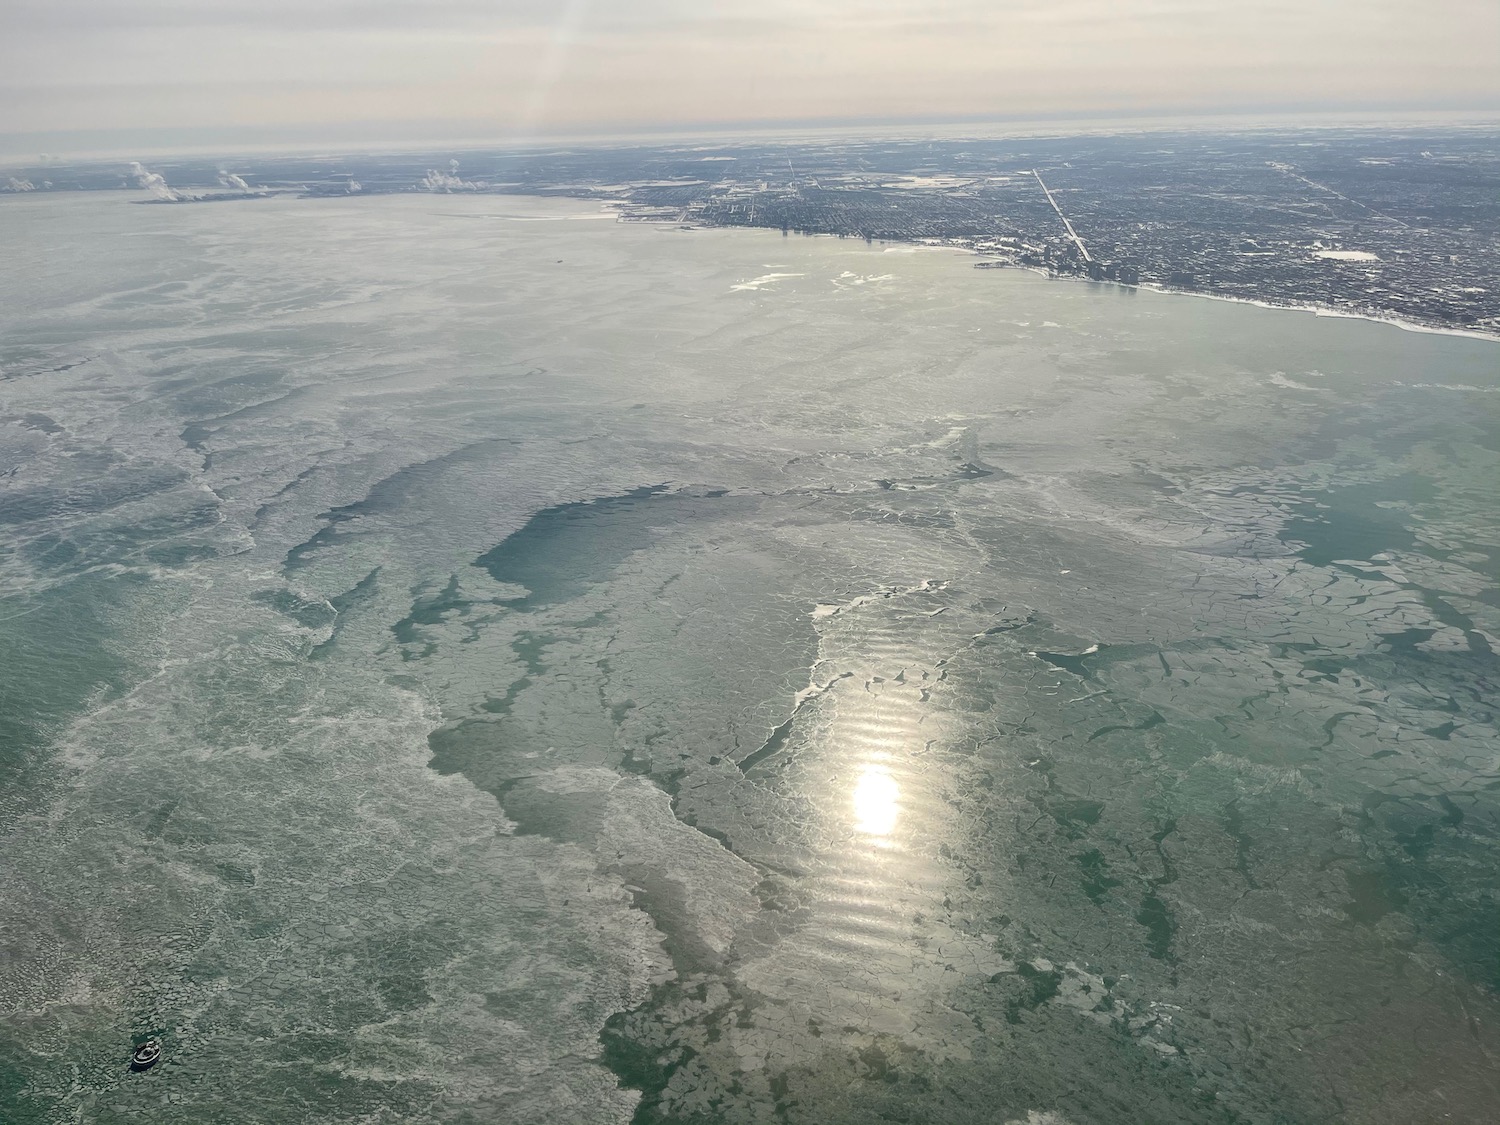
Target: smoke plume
(438,180)
(155,184)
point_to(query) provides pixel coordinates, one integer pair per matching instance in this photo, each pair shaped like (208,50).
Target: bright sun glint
(876,802)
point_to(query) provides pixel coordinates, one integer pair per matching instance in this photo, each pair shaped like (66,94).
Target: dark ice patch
(1351,523)
(563,550)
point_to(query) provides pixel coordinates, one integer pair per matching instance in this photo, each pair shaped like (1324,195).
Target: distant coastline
(1404,323)
(1384,225)
(1330,312)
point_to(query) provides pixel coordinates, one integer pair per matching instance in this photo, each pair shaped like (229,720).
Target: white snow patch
(762,281)
(1280,380)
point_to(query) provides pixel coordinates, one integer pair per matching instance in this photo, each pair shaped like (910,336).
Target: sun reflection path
(877,802)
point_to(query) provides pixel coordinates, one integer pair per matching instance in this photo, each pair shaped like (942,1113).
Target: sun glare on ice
(876,802)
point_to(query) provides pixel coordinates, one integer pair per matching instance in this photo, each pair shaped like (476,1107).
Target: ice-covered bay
(468,669)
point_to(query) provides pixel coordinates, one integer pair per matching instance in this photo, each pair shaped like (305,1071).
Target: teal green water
(471,660)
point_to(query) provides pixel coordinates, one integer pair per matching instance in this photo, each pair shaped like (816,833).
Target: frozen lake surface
(465,669)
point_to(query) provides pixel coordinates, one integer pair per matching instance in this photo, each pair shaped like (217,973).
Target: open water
(469,660)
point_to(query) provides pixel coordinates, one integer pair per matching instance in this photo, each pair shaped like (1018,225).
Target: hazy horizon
(152,74)
(352,138)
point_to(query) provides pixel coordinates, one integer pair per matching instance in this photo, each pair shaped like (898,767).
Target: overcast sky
(508,68)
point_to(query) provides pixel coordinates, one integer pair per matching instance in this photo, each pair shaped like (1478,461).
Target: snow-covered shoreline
(1317,310)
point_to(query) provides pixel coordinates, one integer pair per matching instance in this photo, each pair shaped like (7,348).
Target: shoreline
(1328,311)
(1403,323)
(621,211)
